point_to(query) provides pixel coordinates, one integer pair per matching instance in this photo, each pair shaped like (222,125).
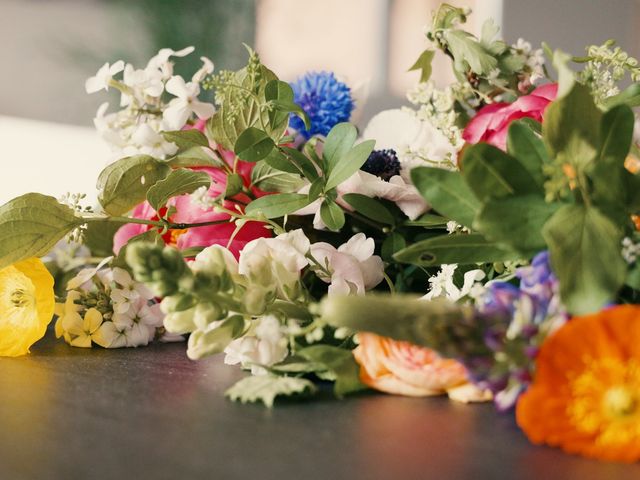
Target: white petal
(177,86)
(202,110)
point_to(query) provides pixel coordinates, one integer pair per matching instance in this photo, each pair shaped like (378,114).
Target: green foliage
(265,389)
(186,139)
(584,246)
(124,184)
(332,215)
(98,237)
(527,146)
(370,208)
(340,363)
(178,182)
(253,144)
(274,206)
(30,225)
(424,65)
(270,179)
(447,193)
(196,156)
(462,249)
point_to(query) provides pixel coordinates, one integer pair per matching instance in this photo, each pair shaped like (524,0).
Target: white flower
(276,262)
(82,279)
(402,131)
(206,69)
(215,259)
(442,283)
(150,142)
(267,347)
(180,109)
(130,287)
(350,269)
(142,83)
(102,78)
(161,60)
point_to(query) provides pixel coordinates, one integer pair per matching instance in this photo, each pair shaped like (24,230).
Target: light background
(49,47)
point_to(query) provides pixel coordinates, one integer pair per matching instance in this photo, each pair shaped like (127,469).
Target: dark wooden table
(150,413)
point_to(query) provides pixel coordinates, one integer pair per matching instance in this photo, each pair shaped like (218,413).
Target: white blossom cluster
(268,270)
(136,128)
(534,62)
(441,285)
(107,307)
(630,250)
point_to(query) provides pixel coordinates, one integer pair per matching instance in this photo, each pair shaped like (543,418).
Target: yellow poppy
(26,305)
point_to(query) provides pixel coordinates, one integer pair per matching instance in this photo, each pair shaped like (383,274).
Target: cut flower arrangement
(480,243)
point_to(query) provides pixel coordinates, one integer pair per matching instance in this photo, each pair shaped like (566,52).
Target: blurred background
(49,48)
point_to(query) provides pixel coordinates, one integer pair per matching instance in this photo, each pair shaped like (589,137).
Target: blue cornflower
(326,100)
(383,164)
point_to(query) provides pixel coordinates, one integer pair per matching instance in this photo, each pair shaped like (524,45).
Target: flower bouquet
(480,243)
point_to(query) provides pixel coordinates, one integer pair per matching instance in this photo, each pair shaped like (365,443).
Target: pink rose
(405,369)
(189,212)
(491,123)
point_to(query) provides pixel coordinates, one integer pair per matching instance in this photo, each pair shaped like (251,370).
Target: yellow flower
(26,305)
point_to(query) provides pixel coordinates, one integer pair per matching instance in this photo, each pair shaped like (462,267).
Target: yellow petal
(26,305)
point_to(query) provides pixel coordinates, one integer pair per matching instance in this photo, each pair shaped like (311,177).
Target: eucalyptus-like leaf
(332,215)
(584,246)
(253,144)
(339,141)
(461,249)
(274,206)
(370,208)
(391,245)
(125,183)
(447,193)
(301,162)
(178,182)
(234,185)
(349,164)
(30,225)
(269,179)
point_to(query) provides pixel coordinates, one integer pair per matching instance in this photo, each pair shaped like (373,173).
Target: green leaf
(461,249)
(630,96)
(528,148)
(265,389)
(295,109)
(424,65)
(339,141)
(274,206)
(338,361)
(278,160)
(566,77)
(124,184)
(428,220)
(196,157)
(269,179)
(234,185)
(349,164)
(585,251)
(332,215)
(571,127)
(186,139)
(301,162)
(392,245)
(30,225)
(178,182)
(447,193)
(466,49)
(281,96)
(370,208)
(612,182)
(491,173)
(516,222)
(98,237)
(253,145)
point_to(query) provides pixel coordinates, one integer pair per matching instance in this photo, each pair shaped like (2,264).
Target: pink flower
(491,123)
(189,212)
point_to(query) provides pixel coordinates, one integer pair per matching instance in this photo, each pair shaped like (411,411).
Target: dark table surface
(150,413)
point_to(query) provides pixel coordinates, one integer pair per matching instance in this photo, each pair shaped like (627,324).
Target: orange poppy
(585,397)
